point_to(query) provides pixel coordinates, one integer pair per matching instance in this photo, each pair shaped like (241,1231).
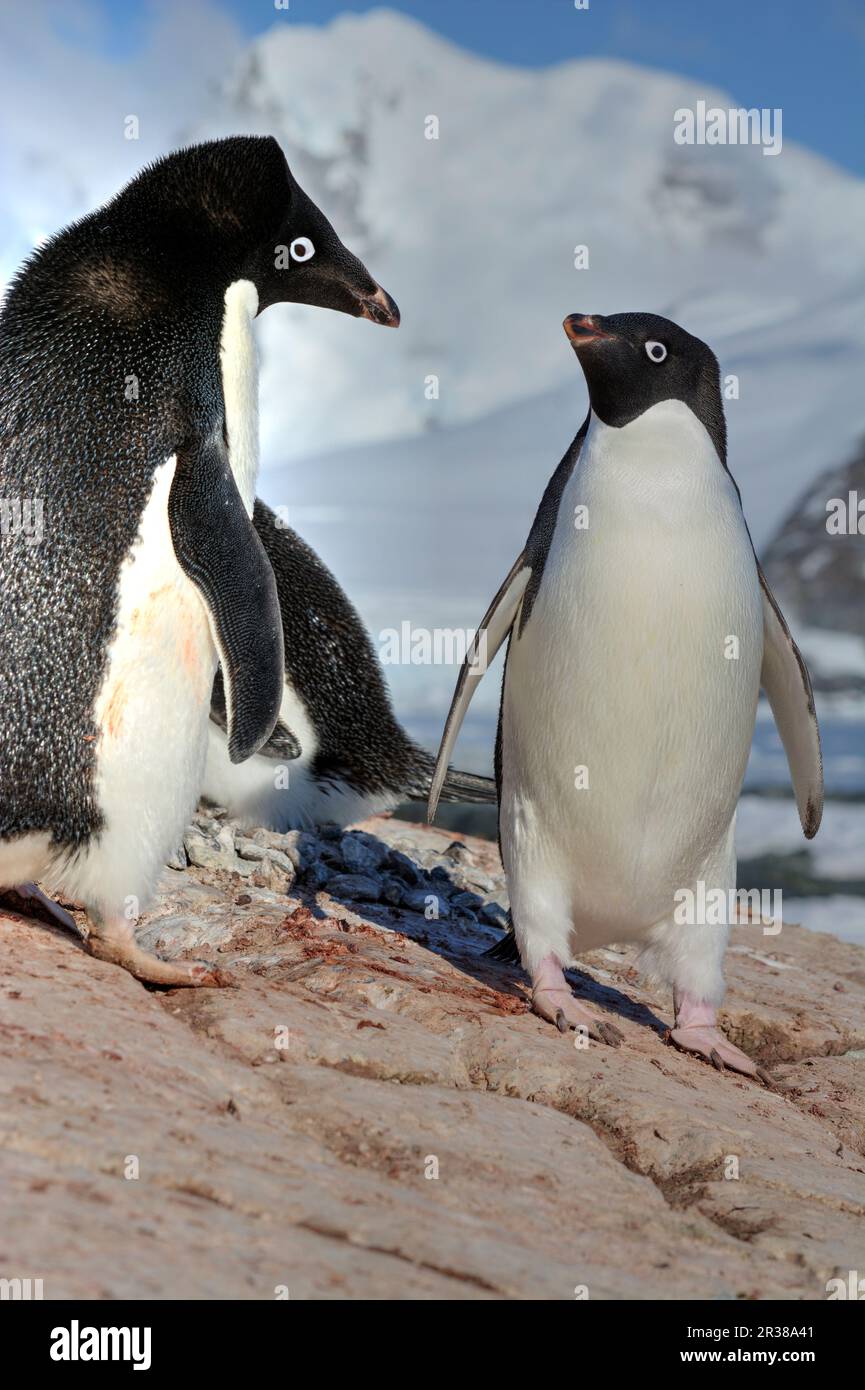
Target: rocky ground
(373,1112)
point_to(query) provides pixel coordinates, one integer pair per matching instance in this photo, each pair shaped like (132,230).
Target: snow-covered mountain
(420,504)
(475,233)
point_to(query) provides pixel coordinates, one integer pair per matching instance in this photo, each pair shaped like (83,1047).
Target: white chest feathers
(238,358)
(631,693)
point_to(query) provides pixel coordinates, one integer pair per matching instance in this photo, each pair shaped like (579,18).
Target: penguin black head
(634,361)
(200,218)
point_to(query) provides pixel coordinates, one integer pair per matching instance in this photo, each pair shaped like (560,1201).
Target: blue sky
(806,56)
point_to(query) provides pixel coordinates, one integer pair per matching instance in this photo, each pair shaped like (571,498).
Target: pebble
(404,868)
(442,879)
(302,848)
(177,859)
(361,887)
(317,875)
(268,874)
(494,915)
(248,849)
(361,852)
(392,892)
(466,900)
(206,852)
(479,879)
(283,861)
(465,918)
(458,853)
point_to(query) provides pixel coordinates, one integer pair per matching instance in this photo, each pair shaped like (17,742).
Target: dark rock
(357,887)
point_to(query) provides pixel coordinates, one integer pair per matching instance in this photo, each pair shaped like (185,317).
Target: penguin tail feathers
(466,786)
(505,949)
(458,786)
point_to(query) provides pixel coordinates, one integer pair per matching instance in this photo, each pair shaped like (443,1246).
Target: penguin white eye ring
(655,351)
(301,249)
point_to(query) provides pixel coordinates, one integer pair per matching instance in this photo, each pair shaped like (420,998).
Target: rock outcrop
(373,1112)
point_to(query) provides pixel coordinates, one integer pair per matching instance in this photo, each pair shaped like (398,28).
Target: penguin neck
(238,362)
(667,448)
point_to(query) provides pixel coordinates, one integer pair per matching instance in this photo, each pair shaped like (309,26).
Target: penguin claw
(572,1014)
(708,1042)
(610,1034)
(769,1081)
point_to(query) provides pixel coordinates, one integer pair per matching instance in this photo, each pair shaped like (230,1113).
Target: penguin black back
(333,667)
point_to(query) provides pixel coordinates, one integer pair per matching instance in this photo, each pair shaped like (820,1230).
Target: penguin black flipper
(784,677)
(515,598)
(218,549)
(282,743)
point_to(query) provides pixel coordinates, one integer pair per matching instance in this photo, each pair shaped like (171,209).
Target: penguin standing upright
(128,427)
(354,759)
(641,629)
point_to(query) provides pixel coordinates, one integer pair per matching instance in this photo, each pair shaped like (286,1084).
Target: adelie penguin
(641,629)
(128,418)
(353,759)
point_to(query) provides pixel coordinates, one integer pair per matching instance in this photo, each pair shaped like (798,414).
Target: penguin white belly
(264,791)
(285,795)
(631,695)
(152,716)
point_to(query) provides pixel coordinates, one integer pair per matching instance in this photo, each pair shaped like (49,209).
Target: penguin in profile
(641,629)
(128,431)
(354,757)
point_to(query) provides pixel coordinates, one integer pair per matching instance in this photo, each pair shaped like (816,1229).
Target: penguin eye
(656,352)
(301,249)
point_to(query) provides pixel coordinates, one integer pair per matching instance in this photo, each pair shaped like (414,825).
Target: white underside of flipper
(626,721)
(492,633)
(787,685)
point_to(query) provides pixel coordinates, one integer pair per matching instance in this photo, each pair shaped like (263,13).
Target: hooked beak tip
(582,329)
(380,308)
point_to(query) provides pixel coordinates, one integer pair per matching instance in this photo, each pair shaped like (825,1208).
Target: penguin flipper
(785,680)
(495,626)
(282,743)
(218,549)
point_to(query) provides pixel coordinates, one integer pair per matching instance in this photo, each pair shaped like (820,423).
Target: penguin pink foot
(553,1000)
(114,941)
(696,1030)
